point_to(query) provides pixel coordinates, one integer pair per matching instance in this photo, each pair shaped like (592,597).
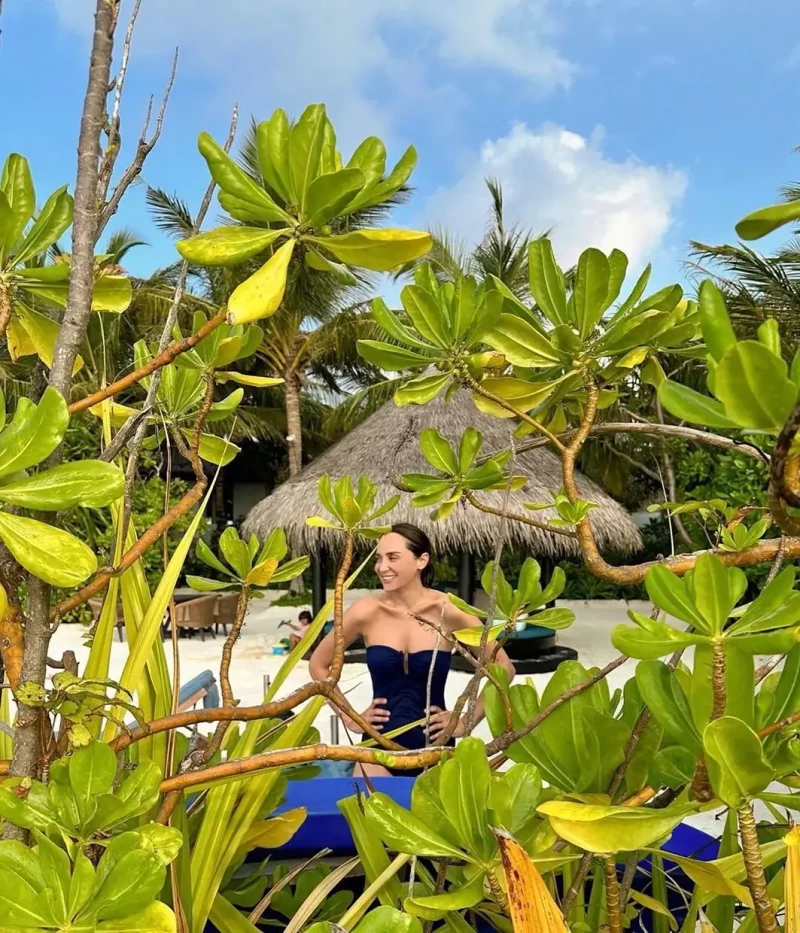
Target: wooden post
(466,576)
(319,591)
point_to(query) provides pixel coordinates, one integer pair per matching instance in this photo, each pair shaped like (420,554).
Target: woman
(400,649)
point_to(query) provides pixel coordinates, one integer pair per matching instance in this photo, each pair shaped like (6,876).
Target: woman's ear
(423,561)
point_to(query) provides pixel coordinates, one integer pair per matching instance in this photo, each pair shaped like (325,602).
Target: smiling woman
(408,632)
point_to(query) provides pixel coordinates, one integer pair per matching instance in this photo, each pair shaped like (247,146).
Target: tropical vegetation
(118,816)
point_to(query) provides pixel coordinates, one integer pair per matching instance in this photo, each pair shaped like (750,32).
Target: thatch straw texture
(387,444)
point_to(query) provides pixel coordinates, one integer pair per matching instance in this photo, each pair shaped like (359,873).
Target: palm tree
(503,251)
(756,286)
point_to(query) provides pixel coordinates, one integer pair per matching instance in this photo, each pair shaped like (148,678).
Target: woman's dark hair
(418,543)
(305,614)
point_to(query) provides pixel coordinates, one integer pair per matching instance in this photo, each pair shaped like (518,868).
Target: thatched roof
(372,449)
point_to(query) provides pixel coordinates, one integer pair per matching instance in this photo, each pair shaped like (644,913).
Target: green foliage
(306,189)
(353,508)
(457,473)
(247,564)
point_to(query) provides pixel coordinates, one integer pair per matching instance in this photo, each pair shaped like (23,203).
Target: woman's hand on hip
(439,720)
(375,714)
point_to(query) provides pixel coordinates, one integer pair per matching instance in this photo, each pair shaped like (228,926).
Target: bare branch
(143,149)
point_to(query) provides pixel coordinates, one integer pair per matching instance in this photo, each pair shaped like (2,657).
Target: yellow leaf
(274,832)
(609,829)
(119,413)
(656,906)
(531,905)
(520,393)
(245,379)
(31,332)
(261,295)
(792,895)
(380,250)
(472,636)
(262,573)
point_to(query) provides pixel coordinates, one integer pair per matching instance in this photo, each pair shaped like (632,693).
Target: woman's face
(396,566)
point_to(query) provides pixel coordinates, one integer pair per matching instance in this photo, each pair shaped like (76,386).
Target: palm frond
(120,243)
(248,153)
(170,213)
(360,405)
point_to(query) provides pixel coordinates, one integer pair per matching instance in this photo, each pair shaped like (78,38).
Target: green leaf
(519,393)
(737,768)
(595,828)
(273,155)
(438,452)
(555,619)
(714,321)
(380,250)
(34,812)
(464,789)
(688,405)
(216,450)
(204,585)
(232,180)
(81,888)
(520,343)
(17,185)
(657,641)
(54,218)
(34,433)
(776,606)
(739,383)
(208,557)
(91,483)
(305,148)
(672,767)
(227,246)
(547,281)
(329,194)
(235,551)
(388,920)
(390,185)
(591,289)
(426,314)
(712,592)
(421,390)
(389,321)
(391,358)
(56,874)
(130,885)
(467,895)
(49,553)
(92,771)
(764,221)
(111,293)
(155,918)
(669,592)
(404,832)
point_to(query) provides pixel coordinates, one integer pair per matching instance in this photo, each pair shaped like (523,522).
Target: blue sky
(640,124)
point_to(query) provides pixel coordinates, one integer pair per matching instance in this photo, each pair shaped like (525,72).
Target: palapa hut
(387,443)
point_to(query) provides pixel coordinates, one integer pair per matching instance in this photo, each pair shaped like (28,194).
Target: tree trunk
(27,748)
(294,424)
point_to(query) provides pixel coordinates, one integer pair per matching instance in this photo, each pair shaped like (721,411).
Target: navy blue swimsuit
(402,680)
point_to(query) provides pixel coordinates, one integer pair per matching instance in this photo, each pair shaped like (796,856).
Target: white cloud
(554,178)
(342,51)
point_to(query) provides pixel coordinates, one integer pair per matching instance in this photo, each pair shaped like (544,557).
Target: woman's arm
(454,619)
(319,666)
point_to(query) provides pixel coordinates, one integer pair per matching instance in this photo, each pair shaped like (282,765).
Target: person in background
(299,628)
(407,659)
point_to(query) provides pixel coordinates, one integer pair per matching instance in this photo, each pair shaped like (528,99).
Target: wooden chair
(227,604)
(96,605)
(197,615)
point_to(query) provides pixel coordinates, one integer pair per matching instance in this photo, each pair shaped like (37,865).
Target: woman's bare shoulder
(364,608)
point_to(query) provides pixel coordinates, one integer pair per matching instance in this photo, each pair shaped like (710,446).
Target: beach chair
(227,604)
(96,605)
(197,615)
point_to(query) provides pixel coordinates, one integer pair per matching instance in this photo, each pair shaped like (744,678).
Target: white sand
(253,658)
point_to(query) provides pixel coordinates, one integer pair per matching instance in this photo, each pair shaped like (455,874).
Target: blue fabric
(402,680)
(205,680)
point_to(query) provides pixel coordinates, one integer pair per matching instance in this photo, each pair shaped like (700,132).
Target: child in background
(299,628)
